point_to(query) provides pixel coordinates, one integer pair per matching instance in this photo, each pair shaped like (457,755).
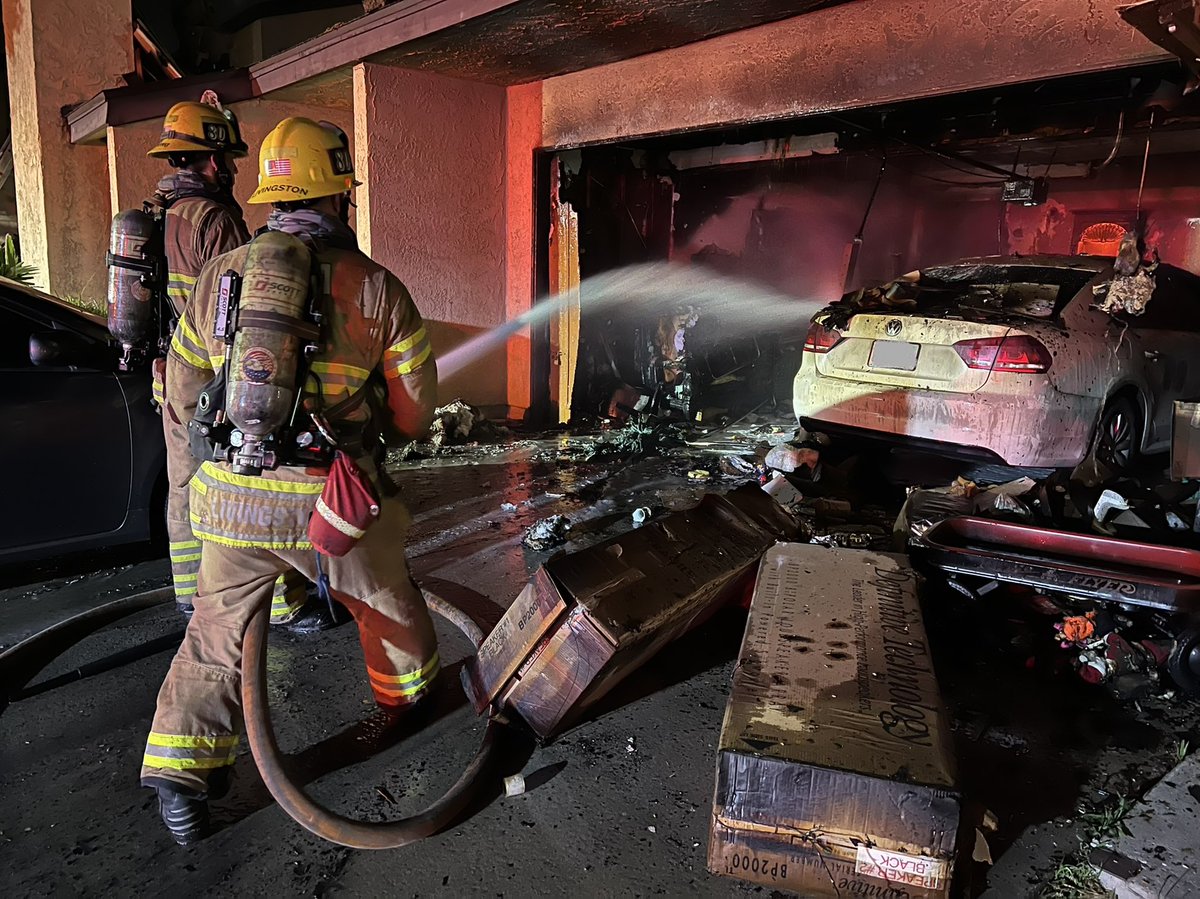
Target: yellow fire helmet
(303,160)
(192,127)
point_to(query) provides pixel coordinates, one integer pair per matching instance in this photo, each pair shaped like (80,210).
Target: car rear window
(1025,290)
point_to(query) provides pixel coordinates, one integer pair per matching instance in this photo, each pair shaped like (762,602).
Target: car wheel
(1118,435)
(1184,662)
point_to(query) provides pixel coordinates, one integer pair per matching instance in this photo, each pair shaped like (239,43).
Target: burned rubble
(1075,598)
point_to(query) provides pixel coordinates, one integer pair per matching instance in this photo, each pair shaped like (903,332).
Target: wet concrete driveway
(619,805)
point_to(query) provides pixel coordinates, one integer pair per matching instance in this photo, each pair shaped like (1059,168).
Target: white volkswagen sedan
(1005,359)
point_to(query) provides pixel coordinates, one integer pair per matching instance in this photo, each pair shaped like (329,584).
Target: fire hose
(319,820)
(20,663)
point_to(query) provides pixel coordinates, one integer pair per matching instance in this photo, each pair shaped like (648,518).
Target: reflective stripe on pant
(158,391)
(288,597)
(185,563)
(200,698)
(185,752)
(184,545)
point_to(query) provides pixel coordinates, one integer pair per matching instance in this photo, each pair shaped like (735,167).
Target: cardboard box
(1185,441)
(588,619)
(834,769)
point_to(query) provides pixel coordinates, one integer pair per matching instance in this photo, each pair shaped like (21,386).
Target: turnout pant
(198,723)
(291,590)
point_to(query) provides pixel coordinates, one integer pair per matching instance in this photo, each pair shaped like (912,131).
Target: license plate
(893,354)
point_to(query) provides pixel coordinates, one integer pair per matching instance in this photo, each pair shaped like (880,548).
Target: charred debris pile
(850,582)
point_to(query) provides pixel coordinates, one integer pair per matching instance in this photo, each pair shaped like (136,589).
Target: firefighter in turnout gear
(256,526)
(200,141)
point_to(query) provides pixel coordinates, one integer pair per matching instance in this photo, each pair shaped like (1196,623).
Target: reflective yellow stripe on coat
(246,511)
(407,355)
(188,345)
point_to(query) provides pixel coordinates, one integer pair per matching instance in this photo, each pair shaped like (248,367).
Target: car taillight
(1018,354)
(821,339)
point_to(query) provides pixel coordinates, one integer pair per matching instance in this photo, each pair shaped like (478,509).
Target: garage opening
(810,209)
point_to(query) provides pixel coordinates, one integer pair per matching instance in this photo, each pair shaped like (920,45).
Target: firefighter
(200,142)
(254,527)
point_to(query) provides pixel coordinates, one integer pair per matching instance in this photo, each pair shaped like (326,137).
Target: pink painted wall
(792,227)
(1171,205)
(56,60)
(432,152)
(852,55)
(523,121)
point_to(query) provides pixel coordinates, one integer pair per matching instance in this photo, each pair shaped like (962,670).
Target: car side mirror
(62,349)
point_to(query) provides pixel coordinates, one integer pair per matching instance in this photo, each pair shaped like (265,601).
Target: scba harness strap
(310,438)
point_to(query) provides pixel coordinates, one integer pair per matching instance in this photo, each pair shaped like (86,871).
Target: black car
(84,464)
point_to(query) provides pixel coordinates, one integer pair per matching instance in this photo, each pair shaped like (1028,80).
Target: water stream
(742,307)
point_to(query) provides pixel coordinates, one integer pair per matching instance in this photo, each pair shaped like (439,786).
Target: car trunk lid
(909,351)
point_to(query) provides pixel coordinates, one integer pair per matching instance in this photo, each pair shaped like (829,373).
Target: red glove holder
(345,509)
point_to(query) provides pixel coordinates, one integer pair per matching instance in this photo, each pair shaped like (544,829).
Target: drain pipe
(302,808)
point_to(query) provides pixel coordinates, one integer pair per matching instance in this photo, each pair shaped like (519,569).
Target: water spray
(742,307)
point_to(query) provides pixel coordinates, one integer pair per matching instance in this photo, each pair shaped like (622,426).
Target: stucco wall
(432,153)
(523,115)
(853,55)
(62,190)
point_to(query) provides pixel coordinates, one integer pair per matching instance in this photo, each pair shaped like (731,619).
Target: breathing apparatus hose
(304,810)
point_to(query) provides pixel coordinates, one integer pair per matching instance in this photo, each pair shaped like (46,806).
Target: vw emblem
(893,327)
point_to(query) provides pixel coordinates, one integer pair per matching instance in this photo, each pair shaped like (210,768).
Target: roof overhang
(365,37)
(492,41)
(88,122)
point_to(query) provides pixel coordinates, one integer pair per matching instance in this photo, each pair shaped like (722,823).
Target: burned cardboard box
(1185,441)
(834,770)
(588,619)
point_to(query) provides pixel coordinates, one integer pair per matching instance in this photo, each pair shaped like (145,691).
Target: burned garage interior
(606,449)
(814,208)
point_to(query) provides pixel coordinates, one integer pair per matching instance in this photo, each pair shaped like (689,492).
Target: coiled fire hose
(20,663)
(319,820)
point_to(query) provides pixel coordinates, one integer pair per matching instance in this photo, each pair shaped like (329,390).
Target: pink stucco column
(63,209)
(523,131)
(431,153)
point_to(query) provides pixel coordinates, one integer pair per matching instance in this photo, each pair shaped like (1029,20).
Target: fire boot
(185,811)
(316,615)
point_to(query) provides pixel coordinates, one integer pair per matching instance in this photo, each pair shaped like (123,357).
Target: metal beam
(1172,24)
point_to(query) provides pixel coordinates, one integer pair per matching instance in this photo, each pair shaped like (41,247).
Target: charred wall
(792,224)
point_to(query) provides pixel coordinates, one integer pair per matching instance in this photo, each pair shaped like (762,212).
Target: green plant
(1182,748)
(85,303)
(1074,881)
(1107,823)
(11,266)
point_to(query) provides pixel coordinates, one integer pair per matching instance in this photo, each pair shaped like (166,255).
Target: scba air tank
(133,272)
(261,389)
